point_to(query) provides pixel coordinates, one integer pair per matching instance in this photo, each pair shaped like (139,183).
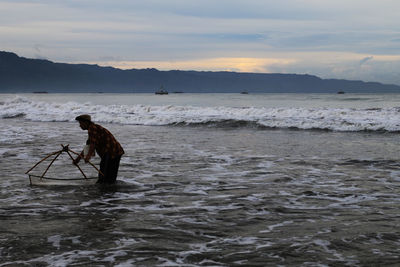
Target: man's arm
(78,158)
(90,153)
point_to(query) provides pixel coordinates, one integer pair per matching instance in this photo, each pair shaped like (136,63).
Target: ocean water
(207,180)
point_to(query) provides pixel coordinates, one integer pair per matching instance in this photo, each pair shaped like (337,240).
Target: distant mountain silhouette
(18,74)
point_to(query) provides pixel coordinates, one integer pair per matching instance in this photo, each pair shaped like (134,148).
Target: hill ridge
(19,74)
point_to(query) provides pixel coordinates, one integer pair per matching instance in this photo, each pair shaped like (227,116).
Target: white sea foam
(272,227)
(337,119)
(55,240)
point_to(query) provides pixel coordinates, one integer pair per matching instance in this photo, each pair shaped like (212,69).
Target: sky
(344,39)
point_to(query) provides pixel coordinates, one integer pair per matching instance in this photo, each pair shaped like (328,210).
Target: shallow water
(204,196)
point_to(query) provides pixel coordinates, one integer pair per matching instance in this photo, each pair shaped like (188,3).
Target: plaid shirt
(104,142)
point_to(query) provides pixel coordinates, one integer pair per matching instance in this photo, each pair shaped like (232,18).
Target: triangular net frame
(57,154)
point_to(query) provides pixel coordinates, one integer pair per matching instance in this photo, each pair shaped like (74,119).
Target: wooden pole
(76,164)
(66,149)
(51,164)
(74,152)
(94,166)
(43,160)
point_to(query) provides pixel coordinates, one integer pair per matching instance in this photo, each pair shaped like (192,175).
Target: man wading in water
(106,146)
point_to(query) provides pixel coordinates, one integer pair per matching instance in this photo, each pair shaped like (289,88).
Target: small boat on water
(340,92)
(161,91)
(244,93)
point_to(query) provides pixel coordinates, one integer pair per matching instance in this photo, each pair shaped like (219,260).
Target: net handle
(66,149)
(94,166)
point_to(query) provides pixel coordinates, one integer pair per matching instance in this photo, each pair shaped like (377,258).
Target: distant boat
(244,93)
(40,92)
(161,91)
(340,92)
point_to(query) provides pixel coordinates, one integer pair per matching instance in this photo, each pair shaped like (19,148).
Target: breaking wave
(332,119)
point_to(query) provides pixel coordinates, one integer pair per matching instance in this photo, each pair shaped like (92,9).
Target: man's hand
(76,161)
(87,159)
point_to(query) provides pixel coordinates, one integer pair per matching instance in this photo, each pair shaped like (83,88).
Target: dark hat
(84,117)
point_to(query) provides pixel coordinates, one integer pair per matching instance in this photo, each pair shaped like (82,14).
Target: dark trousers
(109,167)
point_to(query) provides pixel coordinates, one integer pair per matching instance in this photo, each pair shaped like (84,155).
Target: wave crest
(332,119)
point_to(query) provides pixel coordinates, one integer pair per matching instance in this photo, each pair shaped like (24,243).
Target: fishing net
(70,175)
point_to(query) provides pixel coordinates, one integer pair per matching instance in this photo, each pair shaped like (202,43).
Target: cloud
(213,64)
(364,60)
(38,51)
(327,38)
(344,66)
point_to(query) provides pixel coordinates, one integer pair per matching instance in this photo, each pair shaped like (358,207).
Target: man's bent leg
(113,170)
(104,166)
(109,167)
